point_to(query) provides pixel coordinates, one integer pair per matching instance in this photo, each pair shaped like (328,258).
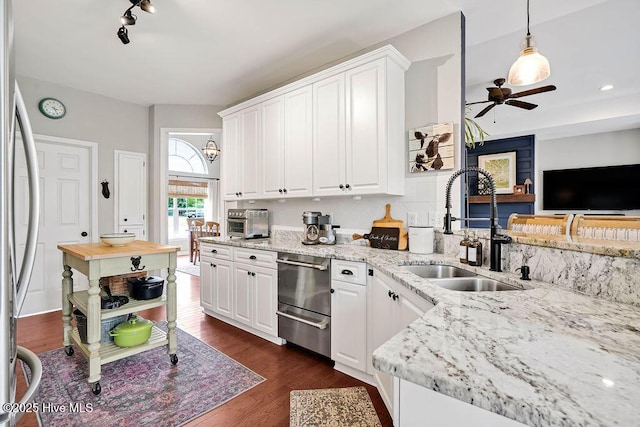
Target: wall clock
(52,108)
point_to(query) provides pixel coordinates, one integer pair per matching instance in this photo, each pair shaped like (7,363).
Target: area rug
(193,270)
(140,390)
(349,406)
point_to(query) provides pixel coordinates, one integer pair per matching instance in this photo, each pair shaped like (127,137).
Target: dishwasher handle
(321,267)
(320,325)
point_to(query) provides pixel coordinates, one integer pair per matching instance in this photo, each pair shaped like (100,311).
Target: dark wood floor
(285,368)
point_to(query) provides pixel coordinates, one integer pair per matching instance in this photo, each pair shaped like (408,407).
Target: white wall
(601,149)
(433,87)
(111,123)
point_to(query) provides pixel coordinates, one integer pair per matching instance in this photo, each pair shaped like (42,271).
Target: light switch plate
(412,219)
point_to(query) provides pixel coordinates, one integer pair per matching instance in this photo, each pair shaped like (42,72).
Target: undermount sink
(437,271)
(474,284)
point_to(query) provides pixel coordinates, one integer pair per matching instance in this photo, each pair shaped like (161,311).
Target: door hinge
(371,272)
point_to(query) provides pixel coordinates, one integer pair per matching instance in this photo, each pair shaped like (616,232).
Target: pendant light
(211,150)
(530,67)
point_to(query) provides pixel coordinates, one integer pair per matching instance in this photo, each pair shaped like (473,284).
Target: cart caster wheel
(68,350)
(95,388)
(174,359)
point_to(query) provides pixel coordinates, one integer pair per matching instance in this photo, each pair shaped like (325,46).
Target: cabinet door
(349,324)
(222,290)
(130,188)
(298,143)
(248,163)
(272,147)
(410,307)
(366,165)
(329,165)
(207,275)
(242,283)
(138,230)
(265,292)
(229,171)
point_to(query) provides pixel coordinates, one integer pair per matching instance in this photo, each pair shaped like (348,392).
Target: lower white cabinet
(349,315)
(240,286)
(418,406)
(392,307)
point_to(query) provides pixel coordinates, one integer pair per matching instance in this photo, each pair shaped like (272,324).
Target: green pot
(133,332)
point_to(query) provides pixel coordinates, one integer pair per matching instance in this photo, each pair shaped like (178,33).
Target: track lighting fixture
(128,18)
(123,35)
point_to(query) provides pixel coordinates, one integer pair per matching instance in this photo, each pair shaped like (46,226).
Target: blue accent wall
(524,146)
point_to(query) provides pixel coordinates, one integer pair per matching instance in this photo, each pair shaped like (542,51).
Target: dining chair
(196,233)
(212,228)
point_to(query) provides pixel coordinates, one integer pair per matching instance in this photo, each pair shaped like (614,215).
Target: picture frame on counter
(519,189)
(502,167)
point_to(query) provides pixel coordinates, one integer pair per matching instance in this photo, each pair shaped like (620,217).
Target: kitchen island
(543,356)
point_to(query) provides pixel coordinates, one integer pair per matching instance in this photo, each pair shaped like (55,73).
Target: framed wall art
(502,167)
(431,148)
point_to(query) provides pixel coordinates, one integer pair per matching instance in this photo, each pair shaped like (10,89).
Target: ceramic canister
(421,240)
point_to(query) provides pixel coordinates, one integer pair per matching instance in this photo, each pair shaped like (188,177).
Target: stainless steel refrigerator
(14,278)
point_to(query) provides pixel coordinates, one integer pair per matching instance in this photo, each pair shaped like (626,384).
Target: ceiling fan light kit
(530,67)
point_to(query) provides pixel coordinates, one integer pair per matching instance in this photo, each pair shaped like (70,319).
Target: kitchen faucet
(497,239)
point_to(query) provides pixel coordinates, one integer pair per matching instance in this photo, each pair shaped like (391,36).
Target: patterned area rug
(140,390)
(335,407)
(191,269)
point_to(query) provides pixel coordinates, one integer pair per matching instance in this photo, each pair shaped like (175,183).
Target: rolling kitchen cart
(96,260)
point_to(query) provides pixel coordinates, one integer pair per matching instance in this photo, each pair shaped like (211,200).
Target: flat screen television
(598,188)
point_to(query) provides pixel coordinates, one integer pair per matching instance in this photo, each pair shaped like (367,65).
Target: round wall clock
(52,108)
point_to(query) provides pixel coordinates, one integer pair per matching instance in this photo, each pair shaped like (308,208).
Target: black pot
(147,287)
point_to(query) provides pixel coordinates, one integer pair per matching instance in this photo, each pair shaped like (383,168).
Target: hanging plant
(473,132)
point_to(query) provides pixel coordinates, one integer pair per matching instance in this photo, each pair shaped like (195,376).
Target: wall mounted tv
(598,188)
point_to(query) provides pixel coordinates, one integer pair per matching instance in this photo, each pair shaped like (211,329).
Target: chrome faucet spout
(497,239)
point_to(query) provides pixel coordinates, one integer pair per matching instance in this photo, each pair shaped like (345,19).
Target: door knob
(84,234)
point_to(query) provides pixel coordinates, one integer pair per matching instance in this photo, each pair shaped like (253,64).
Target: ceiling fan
(502,95)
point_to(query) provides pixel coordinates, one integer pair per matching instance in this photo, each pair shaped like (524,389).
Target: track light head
(123,35)
(147,6)
(128,18)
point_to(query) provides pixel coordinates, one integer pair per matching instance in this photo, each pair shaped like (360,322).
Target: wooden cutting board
(388,222)
(382,237)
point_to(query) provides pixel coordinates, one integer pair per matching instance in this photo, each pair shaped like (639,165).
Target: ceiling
(216,52)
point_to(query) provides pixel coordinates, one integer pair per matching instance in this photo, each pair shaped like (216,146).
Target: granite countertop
(542,356)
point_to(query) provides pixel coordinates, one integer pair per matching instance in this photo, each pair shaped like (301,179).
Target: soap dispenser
(464,248)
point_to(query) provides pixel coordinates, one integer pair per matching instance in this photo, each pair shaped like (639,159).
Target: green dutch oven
(133,332)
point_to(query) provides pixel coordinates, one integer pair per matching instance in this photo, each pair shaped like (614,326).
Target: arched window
(184,157)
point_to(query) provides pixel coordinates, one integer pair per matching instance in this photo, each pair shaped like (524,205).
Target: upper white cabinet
(240,167)
(286,145)
(336,132)
(130,189)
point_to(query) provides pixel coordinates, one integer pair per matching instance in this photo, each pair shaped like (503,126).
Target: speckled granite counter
(543,356)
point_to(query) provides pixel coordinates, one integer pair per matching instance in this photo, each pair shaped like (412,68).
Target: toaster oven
(248,223)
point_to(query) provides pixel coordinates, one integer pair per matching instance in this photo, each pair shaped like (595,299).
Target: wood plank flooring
(286,368)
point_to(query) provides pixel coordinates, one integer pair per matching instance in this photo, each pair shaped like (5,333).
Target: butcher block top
(94,251)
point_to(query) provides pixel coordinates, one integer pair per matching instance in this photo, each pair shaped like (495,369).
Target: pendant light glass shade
(530,67)
(211,150)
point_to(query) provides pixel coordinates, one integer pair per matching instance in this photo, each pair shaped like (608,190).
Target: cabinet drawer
(255,257)
(215,251)
(349,271)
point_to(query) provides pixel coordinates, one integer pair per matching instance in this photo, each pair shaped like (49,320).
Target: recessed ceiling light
(606,87)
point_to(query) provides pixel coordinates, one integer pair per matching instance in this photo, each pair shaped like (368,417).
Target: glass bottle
(464,248)
(475,251)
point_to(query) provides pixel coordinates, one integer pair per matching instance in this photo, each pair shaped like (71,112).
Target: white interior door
(65,203)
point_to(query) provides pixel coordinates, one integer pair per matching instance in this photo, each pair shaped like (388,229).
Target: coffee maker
(313,221)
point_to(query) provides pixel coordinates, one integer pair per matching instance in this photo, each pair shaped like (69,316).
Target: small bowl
(117,239)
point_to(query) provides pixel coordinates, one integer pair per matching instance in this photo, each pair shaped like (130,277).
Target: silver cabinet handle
(31,157)
(319,325)
(321,267)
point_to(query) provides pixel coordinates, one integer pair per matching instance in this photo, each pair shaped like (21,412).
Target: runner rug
(349,406)
(140,390)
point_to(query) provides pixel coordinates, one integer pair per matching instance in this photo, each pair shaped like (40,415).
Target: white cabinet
(130,193)
(359,131)
(239,286)
(240,167)
(286,145)
(349,314)
(417,404)
(392,307)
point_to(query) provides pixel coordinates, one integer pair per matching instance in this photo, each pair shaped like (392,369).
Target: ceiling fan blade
(477,102)
(486,109)
(533,91)
(521,104)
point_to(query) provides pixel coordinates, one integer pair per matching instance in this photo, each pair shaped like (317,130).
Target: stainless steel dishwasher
(304,301)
